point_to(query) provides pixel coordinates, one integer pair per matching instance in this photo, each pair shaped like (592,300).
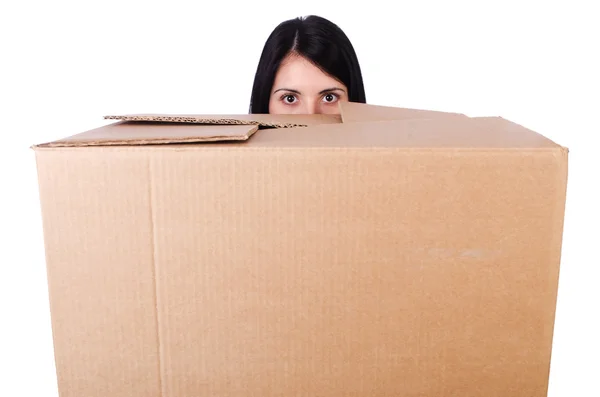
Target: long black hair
(316,39)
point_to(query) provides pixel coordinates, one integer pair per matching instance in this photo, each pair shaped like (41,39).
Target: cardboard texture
(264,120)
(388,252)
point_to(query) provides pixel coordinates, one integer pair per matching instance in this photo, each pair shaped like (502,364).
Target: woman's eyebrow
(332,89)
(287,89)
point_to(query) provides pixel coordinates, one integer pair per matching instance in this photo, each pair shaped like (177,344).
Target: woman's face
(302,88)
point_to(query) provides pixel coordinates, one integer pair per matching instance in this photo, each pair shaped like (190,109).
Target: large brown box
(383,252)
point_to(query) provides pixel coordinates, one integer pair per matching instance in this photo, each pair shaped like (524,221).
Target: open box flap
(161,129)
(359,112)
(137,134)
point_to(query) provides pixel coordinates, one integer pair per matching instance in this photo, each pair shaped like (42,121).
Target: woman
(307,66)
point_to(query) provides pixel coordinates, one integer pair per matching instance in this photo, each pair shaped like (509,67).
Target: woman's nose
(311,107)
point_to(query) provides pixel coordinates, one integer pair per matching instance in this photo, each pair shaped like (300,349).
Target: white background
(65,64)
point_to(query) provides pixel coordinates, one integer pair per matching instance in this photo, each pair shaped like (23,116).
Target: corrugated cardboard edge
(239,120)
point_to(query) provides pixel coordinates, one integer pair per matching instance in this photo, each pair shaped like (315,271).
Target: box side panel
(357,272)
(99,251)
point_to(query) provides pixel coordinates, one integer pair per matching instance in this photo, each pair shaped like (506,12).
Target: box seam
(155,277)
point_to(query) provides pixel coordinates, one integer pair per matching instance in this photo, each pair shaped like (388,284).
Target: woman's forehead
(297,73)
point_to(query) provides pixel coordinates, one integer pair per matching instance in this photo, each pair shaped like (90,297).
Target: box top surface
(358,125)
(433,133)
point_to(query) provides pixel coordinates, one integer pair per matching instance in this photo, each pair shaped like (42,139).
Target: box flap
(359,112)
(127,133)
(455,133)
(155,129)
(263,120)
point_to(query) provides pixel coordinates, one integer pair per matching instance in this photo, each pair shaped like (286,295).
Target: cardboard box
(383,252)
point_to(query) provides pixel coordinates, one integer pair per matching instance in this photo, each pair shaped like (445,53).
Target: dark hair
(316,39)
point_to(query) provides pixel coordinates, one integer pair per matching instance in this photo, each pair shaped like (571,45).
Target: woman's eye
(289,99)
(330,98)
